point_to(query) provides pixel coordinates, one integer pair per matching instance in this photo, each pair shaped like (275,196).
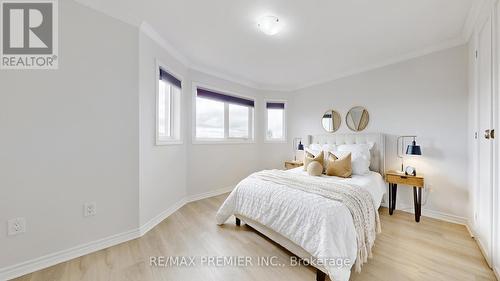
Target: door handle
(492,133)
(487,134)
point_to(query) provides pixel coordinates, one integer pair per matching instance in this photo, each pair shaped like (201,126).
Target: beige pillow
(339,167)
(315,169)
(309,157)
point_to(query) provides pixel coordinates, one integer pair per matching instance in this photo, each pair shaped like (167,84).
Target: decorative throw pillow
(315,169)
(339,167)
(309,158)
(360,156)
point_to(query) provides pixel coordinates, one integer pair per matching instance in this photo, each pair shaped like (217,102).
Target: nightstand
(394,178)
(290,164)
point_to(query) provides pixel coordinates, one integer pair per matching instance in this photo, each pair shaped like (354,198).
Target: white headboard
(378,152)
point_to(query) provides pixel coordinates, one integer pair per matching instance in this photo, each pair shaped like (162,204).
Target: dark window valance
(275,105)
(202,93)
(169,78)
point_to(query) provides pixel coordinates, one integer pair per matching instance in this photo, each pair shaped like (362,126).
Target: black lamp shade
(413,149)
(300,146)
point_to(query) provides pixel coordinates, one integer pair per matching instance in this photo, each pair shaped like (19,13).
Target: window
(275,127)
(168,104)
(223,117)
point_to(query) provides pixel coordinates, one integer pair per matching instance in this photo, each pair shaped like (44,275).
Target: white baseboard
(483,251)
(161,216)
(431,214)
(23,268)
(209,194)
(65,255)
(470,229)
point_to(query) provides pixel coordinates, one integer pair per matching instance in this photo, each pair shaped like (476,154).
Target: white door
(496,188)
(484,207)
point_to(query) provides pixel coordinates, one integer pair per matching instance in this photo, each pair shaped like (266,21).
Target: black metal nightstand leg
(417,201)
(393,189)
(390,199)
(394,195)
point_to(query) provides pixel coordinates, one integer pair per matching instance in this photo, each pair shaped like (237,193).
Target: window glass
(209,118)
(238,121)
(275,123)
(164,108)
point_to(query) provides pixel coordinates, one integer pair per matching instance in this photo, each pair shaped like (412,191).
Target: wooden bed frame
(377,164)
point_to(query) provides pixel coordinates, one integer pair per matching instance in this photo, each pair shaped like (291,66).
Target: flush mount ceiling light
(270,25)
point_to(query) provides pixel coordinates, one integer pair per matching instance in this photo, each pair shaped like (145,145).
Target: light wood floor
(430,250)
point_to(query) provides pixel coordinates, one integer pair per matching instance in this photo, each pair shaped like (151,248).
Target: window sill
(168,142)
(222,141)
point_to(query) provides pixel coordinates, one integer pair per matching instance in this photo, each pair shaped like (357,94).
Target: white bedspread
(323,227)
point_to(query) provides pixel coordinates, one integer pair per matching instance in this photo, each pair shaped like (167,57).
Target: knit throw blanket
(359,202)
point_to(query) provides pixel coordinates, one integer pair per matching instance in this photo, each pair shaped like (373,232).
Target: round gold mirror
(357,118)
(331,121)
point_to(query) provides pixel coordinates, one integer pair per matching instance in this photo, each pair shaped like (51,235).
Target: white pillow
(329,148)
(360,156)
(315,147)
(363,148)
(314,152)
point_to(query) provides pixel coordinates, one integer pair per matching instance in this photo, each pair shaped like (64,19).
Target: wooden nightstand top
(290,164)
(401,178)
(294,162)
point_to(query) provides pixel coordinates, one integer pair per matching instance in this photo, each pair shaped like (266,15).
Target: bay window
(168,105)
(223,117)
(275,121)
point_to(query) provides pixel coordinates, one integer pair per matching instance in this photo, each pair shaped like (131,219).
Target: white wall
(170,173)
(427,97)
(216,166)
(85,133)
(70,136)
(471,129)
(162,168)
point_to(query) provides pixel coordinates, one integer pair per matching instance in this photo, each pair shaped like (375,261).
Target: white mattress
(372,182)
(324,228)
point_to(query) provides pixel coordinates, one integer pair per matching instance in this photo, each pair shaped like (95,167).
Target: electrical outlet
(16,226)
(89,209)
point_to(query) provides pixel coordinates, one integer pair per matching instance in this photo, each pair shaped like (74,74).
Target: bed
(311,225)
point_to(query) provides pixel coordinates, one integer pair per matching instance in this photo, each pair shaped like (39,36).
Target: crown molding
(458,41)
(148,30)
(151,32)
(480,9)
(227,77)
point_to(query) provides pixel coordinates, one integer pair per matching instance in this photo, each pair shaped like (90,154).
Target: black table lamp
(297,146)
(411,149)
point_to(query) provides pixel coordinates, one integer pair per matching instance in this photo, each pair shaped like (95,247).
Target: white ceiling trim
(148,30)
(155,36)
(475,13)
(394,60)
(479,9)
(230,78)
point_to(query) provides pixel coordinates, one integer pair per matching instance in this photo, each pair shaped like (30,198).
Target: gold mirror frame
(334,119)
(357,118)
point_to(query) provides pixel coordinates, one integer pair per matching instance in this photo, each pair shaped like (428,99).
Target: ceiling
(321,40)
